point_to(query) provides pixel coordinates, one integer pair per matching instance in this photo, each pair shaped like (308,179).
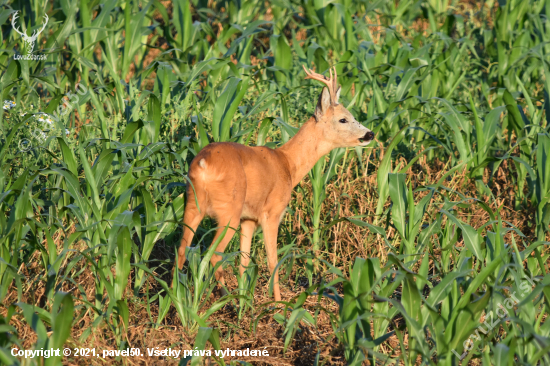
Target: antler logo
(29,40)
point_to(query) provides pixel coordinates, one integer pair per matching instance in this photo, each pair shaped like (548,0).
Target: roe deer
(251,186)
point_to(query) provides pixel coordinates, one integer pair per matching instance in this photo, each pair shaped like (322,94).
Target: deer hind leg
(226,200)
(192,217)
(231,220)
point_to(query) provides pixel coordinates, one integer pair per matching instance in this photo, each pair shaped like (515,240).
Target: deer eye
(343,120)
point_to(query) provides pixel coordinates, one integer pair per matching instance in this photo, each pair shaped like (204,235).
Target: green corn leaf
(517,121)
(130,131)
(470,235)
(153,109)
(543,166)
(292,325)
(68,156)
(62,320)
(124,312)
(362,279)
(89,176)
(229,115)
(283,56)
(73,188)
(398,194)
(183,23)
(224,104)
(102,166)
(134,24)
(200,344)
(35,321)
(440,292)
(384,169)
(423,273)
(453,122)
(349,312)
(124,244)
(263,131)
(411,298)
(474,285)
(466,322)
(501,354)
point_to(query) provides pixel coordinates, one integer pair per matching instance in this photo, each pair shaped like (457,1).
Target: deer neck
(304,150)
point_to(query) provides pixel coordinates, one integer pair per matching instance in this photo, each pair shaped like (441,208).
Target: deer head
(338,125)
(29,40)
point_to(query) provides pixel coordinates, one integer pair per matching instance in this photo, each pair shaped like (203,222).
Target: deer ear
(337,95)
(323,103)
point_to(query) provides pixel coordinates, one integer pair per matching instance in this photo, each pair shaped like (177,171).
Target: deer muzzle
(369,136)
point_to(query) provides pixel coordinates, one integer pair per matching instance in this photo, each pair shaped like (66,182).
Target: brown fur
(251,186)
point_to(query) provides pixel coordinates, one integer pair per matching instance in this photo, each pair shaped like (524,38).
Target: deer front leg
(270,228)
(247,232)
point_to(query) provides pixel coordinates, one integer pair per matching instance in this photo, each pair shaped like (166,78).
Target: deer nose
(368,136)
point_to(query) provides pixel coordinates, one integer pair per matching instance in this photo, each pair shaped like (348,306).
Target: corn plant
(192,289)
(59,319)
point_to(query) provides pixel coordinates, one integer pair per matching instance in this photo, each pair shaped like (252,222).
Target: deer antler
(331,83)
(36,33)
(13,18)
